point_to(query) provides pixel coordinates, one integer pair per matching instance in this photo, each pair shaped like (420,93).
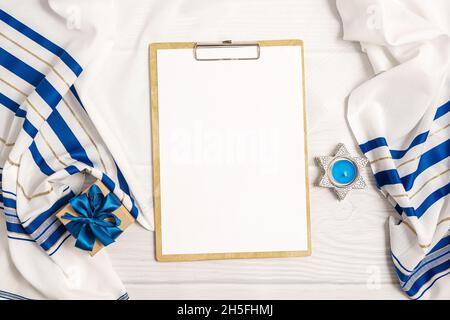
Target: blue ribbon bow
(96,219)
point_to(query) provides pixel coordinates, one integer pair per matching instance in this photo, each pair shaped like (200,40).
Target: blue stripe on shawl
(432,283)
(33,226)
(20,68)
(71,170)
(122,182)
(40,219)
(442,110)
(7,102)
(45,229)
(29,128)
(36,223)
(424,263)
(52,97)
(55,236)
(427,160)
(39,160)
(109,183)
(15,227)
(68,138)
(9,192)
(23,239)
(42,41)
(59,246)
(47,92)
(75,94)
(428,202)
(8,202)
(11,296)
(21,113)
(444,242)
(421,138)
(427,276)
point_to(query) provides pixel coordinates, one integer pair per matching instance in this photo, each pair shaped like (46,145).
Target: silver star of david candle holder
(342,172)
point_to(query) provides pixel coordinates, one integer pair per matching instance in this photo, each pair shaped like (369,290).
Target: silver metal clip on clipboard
(232,51)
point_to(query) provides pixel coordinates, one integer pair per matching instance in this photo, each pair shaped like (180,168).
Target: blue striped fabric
(428,166)
(40,161)
(39,39)
(68,138)
(4,295)
(59,245)
(435,262)
(442,110)
(427,203)
(29,128)
(44,216)
(398,154)
(7,102)
(427,160)
(60,148)
(109,183)
(124,297)
(8,202)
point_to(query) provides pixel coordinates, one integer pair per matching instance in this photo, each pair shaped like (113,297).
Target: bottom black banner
(229,309)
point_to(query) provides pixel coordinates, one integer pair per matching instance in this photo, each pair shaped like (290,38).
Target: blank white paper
(232,162)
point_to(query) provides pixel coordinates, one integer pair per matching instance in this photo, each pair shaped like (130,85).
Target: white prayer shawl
(401,120)
(48,147)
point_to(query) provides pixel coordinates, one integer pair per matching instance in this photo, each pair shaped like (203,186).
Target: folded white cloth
(401,120)
(48,146)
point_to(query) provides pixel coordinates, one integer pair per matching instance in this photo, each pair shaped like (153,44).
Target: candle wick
(345,173)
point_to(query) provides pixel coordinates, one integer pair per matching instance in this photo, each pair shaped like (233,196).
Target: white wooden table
(350,239)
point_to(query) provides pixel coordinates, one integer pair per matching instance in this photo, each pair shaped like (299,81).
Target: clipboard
(195,198)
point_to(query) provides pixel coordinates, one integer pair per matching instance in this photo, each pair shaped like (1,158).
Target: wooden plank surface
(350,240)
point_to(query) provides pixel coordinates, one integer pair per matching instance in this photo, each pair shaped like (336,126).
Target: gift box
(95,218)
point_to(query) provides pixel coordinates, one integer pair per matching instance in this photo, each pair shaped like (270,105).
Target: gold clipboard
(153,48)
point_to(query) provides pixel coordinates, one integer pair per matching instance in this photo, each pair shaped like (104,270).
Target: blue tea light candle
(343,171)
